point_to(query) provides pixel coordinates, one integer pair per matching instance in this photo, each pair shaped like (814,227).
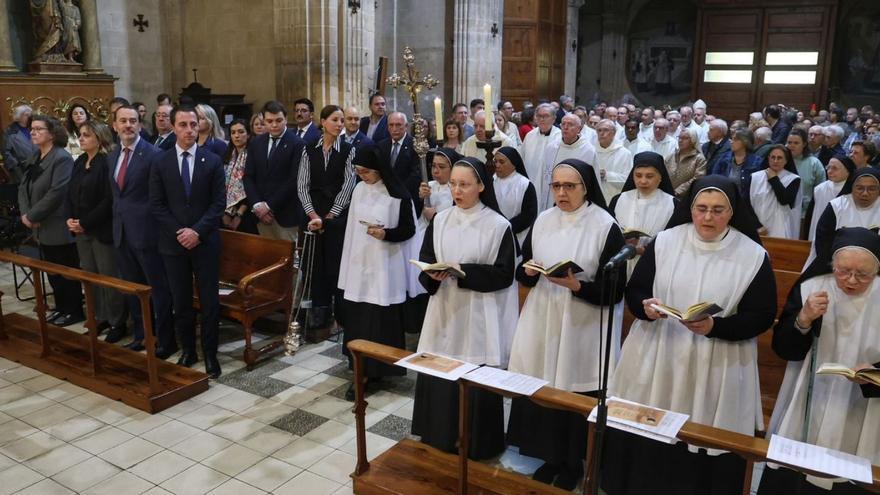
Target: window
(792,58)
(730,58)
(790,77)
(727,76)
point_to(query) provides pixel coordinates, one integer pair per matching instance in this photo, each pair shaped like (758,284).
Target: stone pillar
(6,62)
(476,52)
(614,18)
(91,40)
(572,21)
(358,68)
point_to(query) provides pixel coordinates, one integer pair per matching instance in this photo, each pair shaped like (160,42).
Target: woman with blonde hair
(211,134)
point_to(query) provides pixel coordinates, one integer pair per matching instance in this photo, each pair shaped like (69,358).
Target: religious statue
(48,27)
(72,20)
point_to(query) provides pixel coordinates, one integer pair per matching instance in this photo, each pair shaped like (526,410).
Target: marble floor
(282,428)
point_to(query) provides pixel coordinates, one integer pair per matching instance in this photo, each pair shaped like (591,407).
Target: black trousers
(145,266)
(68,293)
(203,263)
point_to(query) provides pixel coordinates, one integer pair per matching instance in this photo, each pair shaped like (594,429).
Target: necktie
(184,174)
(160,141)
(273,145)
(394,151)
(120,176)
(301,132)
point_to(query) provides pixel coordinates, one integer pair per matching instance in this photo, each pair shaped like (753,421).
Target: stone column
(6,62)
(614,18)
(571,63)
(358,54)
(91,40)
(476,53)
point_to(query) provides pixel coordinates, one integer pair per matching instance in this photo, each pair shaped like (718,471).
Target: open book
(438,267)
(694,313)
(870,375)
(634,234)
(371,224)
(558,270)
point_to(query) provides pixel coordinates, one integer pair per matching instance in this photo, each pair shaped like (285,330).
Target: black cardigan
(89,198)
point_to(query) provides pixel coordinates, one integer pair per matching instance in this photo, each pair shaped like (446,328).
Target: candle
(438,118)
(487,97)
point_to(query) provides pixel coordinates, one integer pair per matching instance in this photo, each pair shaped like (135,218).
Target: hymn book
(558,270)
(870,375)
(697,312)
(371,224)
(436,365)
(438,267)
(634,234)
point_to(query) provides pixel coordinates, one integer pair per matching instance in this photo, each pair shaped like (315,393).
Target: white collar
(191,150)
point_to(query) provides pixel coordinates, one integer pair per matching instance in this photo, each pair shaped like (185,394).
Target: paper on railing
(650,422)
(226,292)
(443,367)
(506,380)
(819,459)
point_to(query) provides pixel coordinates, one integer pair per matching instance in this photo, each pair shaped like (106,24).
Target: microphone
(627,252)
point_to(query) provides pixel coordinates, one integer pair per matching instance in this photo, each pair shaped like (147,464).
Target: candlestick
(487,110)
(438,118)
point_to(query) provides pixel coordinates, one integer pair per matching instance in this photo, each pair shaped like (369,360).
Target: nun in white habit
(839,170)
(856,206)
(775,194)
(439,195)
(646,203)
(830,316)
(559,336)
(472,318)
(707,369)
(372,274)
(516,195)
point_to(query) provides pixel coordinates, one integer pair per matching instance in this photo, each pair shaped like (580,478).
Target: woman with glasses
(646,204)
(41,198)
(856,206)
(775,195)
(839,170)
(559,329)
(830,317)
(707,368)
(515,193)
(471,318)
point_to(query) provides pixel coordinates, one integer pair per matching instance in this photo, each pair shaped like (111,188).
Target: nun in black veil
(471,318)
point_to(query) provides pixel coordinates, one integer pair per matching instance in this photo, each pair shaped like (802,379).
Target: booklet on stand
(443,367)
(650,422)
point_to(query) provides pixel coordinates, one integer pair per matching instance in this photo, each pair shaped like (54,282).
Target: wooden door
(533,50)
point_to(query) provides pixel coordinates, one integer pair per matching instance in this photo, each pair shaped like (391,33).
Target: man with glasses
(165,138)
(571,145)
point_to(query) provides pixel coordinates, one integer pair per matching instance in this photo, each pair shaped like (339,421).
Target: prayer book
(438,267)
(634,234)
(371,224)
(443,367)
(870,375)
(694,313)
(650,422)
(558,270)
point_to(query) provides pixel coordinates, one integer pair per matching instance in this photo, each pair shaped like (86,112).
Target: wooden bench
(261,275)
(787,254)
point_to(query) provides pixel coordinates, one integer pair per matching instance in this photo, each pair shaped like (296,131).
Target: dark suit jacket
(132,218)
(311,137)
(167,144)
(406,168)
(90,199)
(381,131)
(203,209)
(273,179)
(714,152)
(216,146)
(360,139)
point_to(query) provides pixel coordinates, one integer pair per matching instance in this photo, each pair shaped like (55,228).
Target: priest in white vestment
(469,147)
(633,141)
(613,161)
(661,142)
(535,144)
(569,145)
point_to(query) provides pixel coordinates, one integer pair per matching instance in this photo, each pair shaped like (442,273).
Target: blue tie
(184,174)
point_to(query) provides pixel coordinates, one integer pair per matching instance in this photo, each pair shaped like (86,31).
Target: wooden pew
(139,380)
(412,467)
(260,273)
(787,254)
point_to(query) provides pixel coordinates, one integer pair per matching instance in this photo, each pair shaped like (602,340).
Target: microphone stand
(610,274)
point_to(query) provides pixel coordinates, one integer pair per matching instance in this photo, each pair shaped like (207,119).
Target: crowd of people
(692,193)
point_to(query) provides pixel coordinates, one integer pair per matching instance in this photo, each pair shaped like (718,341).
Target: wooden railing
(750,448)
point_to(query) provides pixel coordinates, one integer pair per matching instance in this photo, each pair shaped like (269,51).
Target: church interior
(324,247)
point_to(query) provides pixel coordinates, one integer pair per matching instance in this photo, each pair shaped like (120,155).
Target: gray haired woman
(687,164)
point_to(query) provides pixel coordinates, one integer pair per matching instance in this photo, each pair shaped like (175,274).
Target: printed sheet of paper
(436,365)
(651,422)
(226,292)
(506,380)
(819,459)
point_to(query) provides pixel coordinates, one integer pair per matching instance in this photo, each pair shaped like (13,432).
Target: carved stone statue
(72,21)
(48,27)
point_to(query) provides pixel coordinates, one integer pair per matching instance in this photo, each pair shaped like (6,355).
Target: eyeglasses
(866,189)
(564,186)
(39,129)
(844,274)
(715,212)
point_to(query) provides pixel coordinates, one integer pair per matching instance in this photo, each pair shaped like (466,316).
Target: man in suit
(460,113)
(398,150)
(187,196)
(352,134)
(303,114)
(115,103)
(134,232)
(164,138)
(718,144)
(270,176)
(376,125)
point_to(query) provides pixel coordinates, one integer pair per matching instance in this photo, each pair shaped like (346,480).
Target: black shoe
(212,366)
(188,359)
(568,479)
(165,352)
(52,315)
(546,473)
(115,335)
(135,345)
(67,320)
(104,325)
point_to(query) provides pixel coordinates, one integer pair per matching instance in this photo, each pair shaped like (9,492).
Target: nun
(472,318)
(646,203)
(775,194)
(856,206)
(830,317)
(707,369)
(372,274)
(840,168)
(515,193)
(559,335)
(439,196)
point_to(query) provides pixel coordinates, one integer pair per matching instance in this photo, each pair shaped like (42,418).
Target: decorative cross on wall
(140,23)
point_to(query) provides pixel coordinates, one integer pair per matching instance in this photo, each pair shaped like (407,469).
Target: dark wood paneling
(533,50)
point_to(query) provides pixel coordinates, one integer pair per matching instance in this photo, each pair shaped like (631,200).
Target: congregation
(143,196)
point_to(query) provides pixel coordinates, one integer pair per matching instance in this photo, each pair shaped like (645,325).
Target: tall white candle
(487,98)
(438,118)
